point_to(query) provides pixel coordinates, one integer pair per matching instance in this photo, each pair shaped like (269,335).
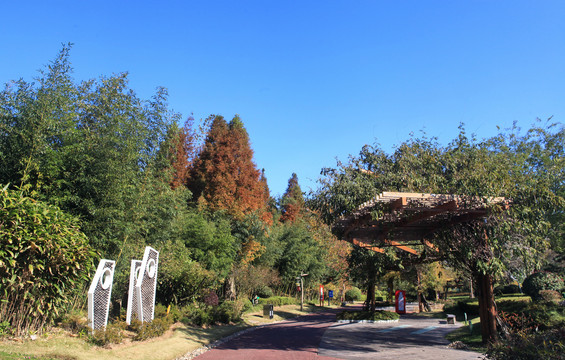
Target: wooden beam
(430,245)
(399,203)
(402,247)
(367,246)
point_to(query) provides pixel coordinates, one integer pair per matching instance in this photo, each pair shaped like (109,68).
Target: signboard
(331,294)
(322,292)
(400,301)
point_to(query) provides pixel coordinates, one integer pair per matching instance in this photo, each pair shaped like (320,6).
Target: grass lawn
(179,340)
(470,335)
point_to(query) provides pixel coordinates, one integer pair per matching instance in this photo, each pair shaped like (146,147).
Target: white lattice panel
(99,294)
(134,310)
(147,285)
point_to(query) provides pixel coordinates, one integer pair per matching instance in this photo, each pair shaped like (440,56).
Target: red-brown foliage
(292,202)
(183,149)
(224,176)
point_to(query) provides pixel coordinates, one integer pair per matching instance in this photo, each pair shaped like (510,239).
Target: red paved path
(297,338)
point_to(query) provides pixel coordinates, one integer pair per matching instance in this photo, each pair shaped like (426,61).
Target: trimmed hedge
(367,315)
(278,301)
(506,289)
(353,294)
(542,280)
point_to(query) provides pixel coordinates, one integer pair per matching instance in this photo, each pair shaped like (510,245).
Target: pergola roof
(402,219)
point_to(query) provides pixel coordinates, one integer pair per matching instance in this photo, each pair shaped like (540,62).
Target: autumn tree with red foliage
(292,202)
(182,153)
(224,176)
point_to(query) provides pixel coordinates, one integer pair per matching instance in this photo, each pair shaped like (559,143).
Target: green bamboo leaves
(43,261)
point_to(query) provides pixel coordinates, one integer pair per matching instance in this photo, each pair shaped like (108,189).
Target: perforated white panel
(146,287)
(99,294)
(134,310)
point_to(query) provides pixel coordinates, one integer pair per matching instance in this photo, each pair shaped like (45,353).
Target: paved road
(410,338)
(319,337)
(292,339)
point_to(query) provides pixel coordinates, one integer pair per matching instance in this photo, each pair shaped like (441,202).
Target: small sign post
(330,296)
(321,295)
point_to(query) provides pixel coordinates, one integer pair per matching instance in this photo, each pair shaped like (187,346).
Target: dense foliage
(526,169)
(543,280)
(44,260)
(125,170)
(379,315)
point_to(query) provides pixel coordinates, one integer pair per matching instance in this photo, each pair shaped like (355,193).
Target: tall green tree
(89,148)
(527,169)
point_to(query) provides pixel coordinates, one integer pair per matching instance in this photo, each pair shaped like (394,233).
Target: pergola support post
(371,294)
(419,287)
(487,309)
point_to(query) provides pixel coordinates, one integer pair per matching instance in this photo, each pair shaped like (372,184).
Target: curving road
(319,337)
(297,338)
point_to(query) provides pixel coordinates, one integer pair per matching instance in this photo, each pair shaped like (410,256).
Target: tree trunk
(229,288)
(371,295)
(418,287)
(390,289)
(472,292)
(487,309)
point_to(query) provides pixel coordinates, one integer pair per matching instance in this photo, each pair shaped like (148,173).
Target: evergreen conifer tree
(292,201)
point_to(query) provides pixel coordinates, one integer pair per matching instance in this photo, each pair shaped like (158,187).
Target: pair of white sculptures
(141,295)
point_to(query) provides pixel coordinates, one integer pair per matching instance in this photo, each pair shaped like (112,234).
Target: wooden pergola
(403,220)
(406,220)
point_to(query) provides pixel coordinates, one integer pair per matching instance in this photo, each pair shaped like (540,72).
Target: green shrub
(112,334)
(198,316)
(264,292)
(175,314)
(544,315)
(278,301)
(178,275)
(44,261)
(468,306)
(367,315)
(76,322)
(353,294)
(550,296)
(247,305)
(5,328)
(228,312)
(525,346)
(170,313)
(506,289)
(151,329)
(542,281)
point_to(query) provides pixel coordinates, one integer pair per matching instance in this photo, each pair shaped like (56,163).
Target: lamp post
(300,280)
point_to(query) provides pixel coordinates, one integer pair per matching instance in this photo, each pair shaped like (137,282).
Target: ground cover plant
(368,315)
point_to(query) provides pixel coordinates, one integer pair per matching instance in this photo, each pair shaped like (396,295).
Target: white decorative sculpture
(146,284)
(99,294)
(133,301)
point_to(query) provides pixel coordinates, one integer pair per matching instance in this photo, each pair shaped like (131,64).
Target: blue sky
(312,80)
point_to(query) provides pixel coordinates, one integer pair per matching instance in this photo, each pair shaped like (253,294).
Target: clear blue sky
(312,80)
